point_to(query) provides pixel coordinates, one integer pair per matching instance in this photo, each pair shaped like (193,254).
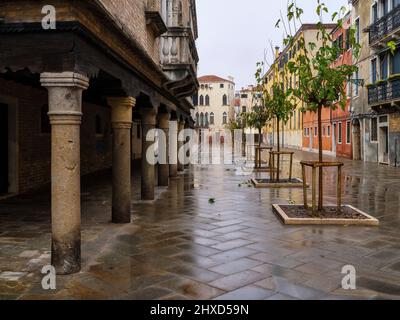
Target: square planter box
(298,215)
(283,183)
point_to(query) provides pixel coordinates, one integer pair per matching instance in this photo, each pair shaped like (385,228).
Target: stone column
(148,168)
(163,168)
(121,120)
(181,127)
(173,148)
(65,112)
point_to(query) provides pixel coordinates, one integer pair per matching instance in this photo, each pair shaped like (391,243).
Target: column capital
(64,79)
(121,111)
(127,102)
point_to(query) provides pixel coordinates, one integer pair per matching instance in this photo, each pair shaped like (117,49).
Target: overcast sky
(234,33)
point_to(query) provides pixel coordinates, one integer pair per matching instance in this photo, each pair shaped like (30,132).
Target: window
(305,132)
(224,100)
(99,125)
(197,119)
(207,100)
(374,73)
(201,100)
(212,118)
(340,43)
(244,109)
(347,39)
(316,131)
(384,59)
(206,118)
(348,132)
(221,86)
(374,130)
(396,62)
(374,13)
(201,119)
(357,26)
(299,120)
(224,118)
(340,133)
(329,131)
(45,126)
(384,7)
(294,119)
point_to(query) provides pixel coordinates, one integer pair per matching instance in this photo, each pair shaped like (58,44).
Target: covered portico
(70,68)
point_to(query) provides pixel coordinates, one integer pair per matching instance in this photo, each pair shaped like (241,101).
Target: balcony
(385,29)
(384,97)
(179,59)
(154,17)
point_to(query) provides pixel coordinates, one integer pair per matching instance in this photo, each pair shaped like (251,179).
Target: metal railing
(384,92)
(384,26)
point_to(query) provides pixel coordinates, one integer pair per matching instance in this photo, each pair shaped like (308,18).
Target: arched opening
(207,100)
(197,119)
(212,118)
(201,119)
(201,100)
(224,118)
(224,100)
(206,118)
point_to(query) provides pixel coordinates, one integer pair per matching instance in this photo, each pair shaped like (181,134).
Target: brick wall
(131,14)
(35,146)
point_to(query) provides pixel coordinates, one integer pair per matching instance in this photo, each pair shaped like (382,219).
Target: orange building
(341,122)
(336,124)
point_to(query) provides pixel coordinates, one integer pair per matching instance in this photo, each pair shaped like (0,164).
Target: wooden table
(272,155)
(316,165)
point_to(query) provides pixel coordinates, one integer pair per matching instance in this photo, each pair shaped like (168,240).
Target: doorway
(4,183)
(356,140)
(384,145)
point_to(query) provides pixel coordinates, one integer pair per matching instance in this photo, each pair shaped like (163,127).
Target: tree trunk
(320,159)
(279,150)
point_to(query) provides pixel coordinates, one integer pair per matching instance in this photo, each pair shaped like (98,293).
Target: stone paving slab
(181,246)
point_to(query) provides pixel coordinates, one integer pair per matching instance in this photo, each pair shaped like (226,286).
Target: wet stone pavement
(182,246)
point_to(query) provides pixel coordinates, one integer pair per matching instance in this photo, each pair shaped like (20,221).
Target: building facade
(375,114)
(81,84)
(214,103)
(341,127)
(291,132)
(336,122)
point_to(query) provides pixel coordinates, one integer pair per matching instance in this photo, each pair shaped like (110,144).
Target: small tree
(279,105)
(257,119)
(321,80)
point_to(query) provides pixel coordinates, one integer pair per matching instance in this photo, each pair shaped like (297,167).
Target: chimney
(277,52)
